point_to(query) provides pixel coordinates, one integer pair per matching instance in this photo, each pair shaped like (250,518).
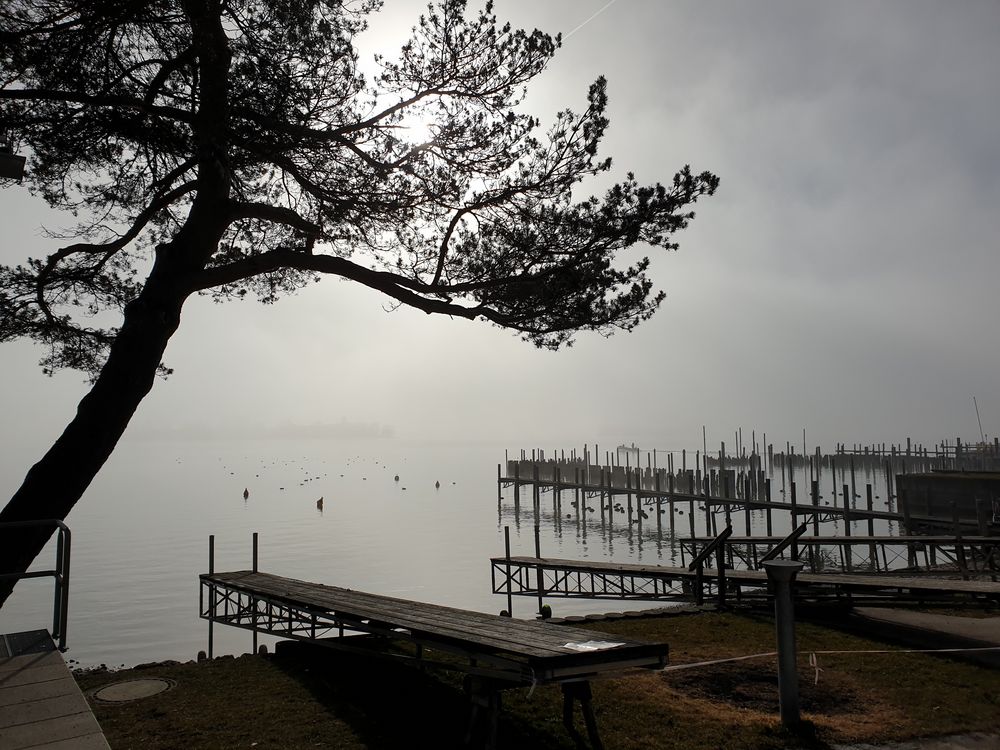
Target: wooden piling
(847,529)
(767,496)
(691,504)
(538,555)
(795,522)
(211,595)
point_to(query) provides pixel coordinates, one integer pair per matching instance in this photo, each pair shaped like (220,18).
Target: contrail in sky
(606,6)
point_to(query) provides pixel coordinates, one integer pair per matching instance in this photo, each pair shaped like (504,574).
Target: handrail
(782,545)
(60,606)
(698,564)
(709,548)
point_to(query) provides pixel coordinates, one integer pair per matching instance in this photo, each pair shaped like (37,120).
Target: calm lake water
(140,535)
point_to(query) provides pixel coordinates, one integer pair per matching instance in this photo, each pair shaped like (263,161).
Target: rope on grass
(814,662)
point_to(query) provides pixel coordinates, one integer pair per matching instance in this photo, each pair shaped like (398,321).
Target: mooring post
(506,548)
(959,544)
(600,482)
(536,493)
(795,522)
(211,593)
(781,574)
(872,551)
(659,497)
(628,489)
(255,603)
(557,489)
(767,499)
(538,556)
(690,476)
(814,549)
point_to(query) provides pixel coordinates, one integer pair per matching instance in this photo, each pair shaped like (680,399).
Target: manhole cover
(131,690)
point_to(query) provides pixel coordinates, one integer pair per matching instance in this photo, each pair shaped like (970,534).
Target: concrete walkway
(986,630)
(41,706)
(929,630)
(972,741)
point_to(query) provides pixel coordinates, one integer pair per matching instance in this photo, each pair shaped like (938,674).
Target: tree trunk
(53,485)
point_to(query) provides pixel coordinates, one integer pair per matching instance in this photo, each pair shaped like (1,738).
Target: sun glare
(415,129)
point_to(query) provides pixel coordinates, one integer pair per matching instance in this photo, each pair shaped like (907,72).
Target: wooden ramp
(609,580)
(41,705)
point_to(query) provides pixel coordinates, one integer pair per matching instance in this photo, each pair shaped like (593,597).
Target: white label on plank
(592,645)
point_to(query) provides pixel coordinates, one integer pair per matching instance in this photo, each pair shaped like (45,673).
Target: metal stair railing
(60,573)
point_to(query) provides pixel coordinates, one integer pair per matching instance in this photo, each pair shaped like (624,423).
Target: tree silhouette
(233,147)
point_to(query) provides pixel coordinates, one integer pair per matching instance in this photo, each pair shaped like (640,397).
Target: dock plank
(34,691)
(41,705)
(41,733)
(26,712)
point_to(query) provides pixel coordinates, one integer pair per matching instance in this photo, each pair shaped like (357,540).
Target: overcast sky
(842,280)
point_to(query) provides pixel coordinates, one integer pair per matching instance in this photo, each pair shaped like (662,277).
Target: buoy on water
(246,493)
(319,504)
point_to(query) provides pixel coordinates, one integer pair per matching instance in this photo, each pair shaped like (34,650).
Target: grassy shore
(278,702)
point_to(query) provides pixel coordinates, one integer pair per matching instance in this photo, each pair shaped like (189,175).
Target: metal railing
(697,565)
(788,541)
(60,605)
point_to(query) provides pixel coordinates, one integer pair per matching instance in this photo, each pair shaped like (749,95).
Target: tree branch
(276,214)
(397,287)
(51,95)
(107,248)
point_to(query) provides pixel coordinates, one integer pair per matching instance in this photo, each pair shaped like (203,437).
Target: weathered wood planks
(41,706)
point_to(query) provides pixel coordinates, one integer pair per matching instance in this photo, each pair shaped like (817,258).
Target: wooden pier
(496,652)
(541,577)
(41,706)
(651,493)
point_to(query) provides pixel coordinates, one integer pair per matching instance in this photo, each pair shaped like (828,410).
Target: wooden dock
(496,652)
(519,651)
(634,486)
(534,576)
(814,486)
(41,706)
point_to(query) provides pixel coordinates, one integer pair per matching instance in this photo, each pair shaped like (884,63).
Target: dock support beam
(486,706)
(580,691)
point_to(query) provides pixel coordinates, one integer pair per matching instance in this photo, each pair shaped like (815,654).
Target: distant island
(341,429)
